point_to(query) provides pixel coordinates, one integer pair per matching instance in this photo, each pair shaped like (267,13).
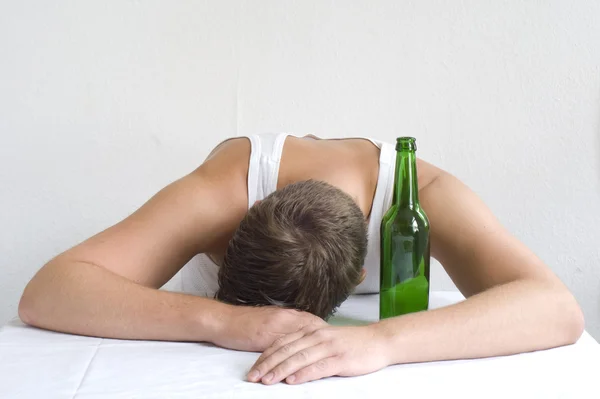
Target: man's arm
(107,286)
(514,303)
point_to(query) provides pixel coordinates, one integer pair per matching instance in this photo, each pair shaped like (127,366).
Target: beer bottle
(404,280)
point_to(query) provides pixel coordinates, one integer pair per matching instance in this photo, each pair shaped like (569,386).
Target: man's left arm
(514,303)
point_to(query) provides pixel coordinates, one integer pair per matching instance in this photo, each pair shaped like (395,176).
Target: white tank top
(200,276)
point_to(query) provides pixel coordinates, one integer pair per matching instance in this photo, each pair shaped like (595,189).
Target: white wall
(103,103)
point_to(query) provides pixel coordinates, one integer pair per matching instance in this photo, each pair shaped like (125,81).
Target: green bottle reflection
(404,279)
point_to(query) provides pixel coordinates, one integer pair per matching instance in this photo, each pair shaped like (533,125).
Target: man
(303,246)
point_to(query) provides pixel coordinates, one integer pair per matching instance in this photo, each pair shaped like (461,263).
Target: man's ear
(257,202)
(363,274)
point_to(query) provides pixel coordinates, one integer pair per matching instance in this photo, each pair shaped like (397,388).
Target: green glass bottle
(404,280)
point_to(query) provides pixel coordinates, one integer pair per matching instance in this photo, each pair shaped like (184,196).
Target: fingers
(277,344)
(323,368)
(283,365)
(255,373)
(267,363)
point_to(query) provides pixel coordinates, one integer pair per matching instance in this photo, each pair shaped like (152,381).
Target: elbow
(576,325)
(27,308)
(37,296)
(571,319)
(34,300)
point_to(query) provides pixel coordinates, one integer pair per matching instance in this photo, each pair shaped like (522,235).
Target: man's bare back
(352,165)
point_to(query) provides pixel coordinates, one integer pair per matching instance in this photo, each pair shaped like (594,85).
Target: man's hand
(317,352)
(254,329)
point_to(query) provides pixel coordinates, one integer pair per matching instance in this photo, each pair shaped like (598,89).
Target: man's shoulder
(233,147)
(226,169)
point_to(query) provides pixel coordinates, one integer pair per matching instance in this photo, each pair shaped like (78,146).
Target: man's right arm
(82,298)
(107,286)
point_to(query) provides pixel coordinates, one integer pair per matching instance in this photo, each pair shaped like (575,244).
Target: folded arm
(514,303)
(107,286)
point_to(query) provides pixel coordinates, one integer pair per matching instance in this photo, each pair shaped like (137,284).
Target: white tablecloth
(41,364)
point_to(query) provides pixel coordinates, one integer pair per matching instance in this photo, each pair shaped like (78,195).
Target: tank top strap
(381,202)
(272,162)
(263,169)
(253,169)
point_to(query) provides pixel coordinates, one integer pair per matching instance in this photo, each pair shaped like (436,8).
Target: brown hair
(302,247)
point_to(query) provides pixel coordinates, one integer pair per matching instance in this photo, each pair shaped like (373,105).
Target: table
(42,364)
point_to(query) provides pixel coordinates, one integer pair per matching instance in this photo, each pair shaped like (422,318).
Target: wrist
(212,321)
(383,343)
(398,337)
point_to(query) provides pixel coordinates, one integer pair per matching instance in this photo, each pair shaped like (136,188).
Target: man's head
(302,247)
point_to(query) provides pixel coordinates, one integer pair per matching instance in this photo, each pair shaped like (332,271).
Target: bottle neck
(406,191)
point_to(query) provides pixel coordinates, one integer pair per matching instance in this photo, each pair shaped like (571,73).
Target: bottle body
(404,236)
